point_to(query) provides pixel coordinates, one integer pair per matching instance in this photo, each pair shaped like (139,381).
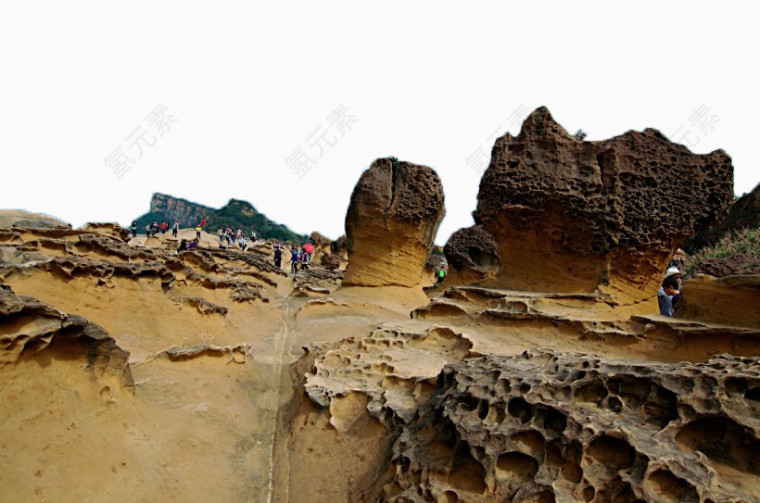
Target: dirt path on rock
(285,333)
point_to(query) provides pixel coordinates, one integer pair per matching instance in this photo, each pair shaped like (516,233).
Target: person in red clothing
(203,222)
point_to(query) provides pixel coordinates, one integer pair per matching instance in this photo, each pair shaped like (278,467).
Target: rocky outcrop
(472,255)
(21,218)
(545,426)
(739,264)
(392,219)
(330,262)
(108,229)
(236,213)
(733,300)
(28,325)
(744,214)
(188,214)
(570,215)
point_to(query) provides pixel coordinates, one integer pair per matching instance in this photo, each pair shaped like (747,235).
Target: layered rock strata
(30,326)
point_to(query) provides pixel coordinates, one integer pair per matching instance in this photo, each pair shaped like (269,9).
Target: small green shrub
(742,242)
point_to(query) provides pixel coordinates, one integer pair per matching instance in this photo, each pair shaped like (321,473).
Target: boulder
(392,219)
(472,255)
(568,215)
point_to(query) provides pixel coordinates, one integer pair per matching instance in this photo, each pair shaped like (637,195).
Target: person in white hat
(670,291)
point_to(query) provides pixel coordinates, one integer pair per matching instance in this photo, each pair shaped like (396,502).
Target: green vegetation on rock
(744,243)
(236,214)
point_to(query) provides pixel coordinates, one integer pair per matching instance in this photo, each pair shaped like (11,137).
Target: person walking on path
(277,256)
(134,229)
(203,223)
(304,261)
(198,230)
(294,257)
(175,228)
(440,275)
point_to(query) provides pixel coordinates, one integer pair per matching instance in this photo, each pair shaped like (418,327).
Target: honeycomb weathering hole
(517,465)
(555,421)
(545,496)
(531,440)
(611,451)
(520,409)
(671,488)
(572,472)
(724,441)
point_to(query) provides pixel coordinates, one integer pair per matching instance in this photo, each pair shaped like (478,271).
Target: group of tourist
(184,245)
(667,296)
(231,237)
(297,256)
(154,228)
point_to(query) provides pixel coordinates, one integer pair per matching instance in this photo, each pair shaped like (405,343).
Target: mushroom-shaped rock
(575,216)
(392,219)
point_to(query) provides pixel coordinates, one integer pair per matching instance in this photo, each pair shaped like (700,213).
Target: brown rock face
(108,229)
(733,300)
(27,324)
(744,213)
(472,253)
(186,212)
(569,215)
(550,426)
(392,219)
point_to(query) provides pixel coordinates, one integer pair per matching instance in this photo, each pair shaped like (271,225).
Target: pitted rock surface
(571,215)
(472,253)
(545,426)
(744,214)
(394,368)
(392,219)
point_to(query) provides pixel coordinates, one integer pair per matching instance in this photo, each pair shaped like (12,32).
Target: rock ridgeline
(188,214)
(236,213)
(21,218)
(391,222)
(560,214)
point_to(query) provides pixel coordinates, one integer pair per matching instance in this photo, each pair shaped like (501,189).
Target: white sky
(427,82)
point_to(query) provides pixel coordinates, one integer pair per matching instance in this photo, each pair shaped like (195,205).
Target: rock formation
(236,213)
(27,325)
(172,208)
(744,213)
(472,255)
(109,229)
(131,370)
(733,300)
(546,426)
(576,216)
(20,218)
(392,219)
